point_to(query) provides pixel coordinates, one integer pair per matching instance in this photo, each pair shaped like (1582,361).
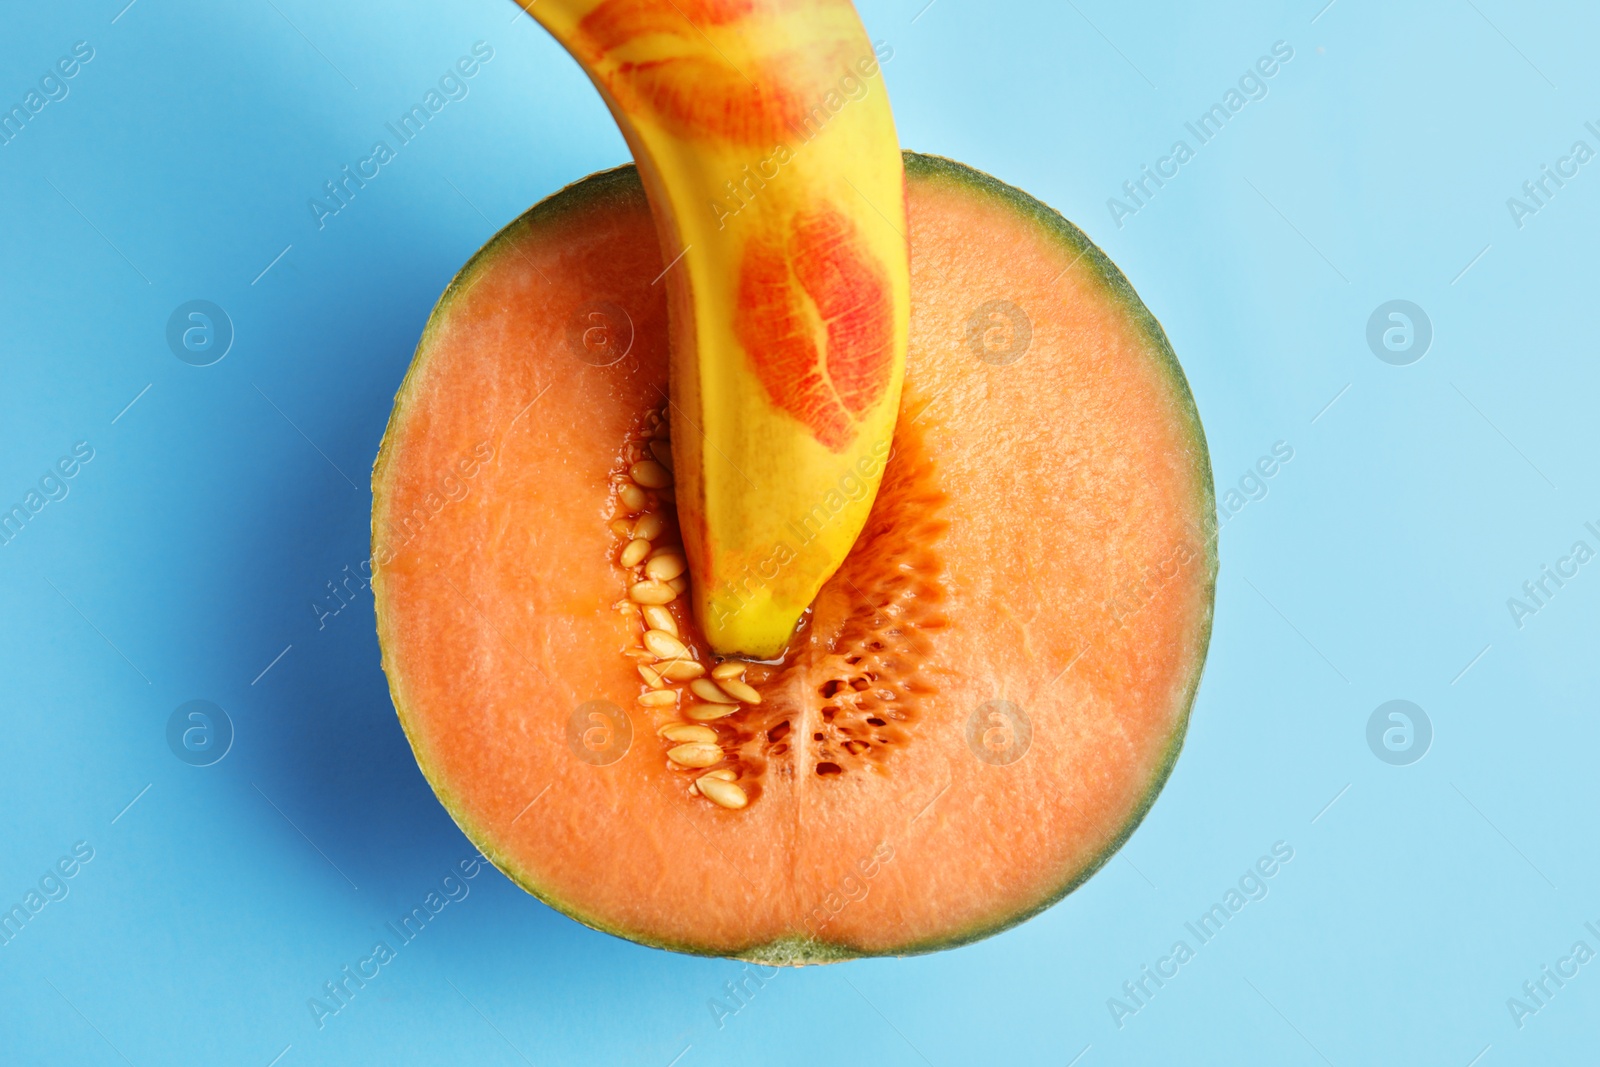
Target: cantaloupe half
(979,707)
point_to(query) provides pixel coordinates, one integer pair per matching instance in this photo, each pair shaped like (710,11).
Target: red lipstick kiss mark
(843,296)
(687,82)
(616,22)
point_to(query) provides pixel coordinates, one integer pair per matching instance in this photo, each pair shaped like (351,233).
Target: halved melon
(982,703)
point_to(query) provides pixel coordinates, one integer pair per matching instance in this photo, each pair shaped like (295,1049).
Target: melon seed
(665,571)
(740,691)
(680,670)
(695,754)
(688,731)
(664,645)
(652,593)
(665,567)
(706,689)
(724,774)
(723,794)
(659,618)
(650,474)
(709,712)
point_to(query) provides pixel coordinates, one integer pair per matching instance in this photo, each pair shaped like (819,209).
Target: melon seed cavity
(673,668)
(866,671)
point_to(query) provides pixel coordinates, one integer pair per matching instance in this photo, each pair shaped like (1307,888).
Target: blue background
(183,563)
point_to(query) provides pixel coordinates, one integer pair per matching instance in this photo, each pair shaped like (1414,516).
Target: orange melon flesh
(1044,536)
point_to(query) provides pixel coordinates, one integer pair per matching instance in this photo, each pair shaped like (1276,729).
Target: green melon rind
(621,186)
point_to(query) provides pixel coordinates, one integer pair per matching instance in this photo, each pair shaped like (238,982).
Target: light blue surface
(181,563)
